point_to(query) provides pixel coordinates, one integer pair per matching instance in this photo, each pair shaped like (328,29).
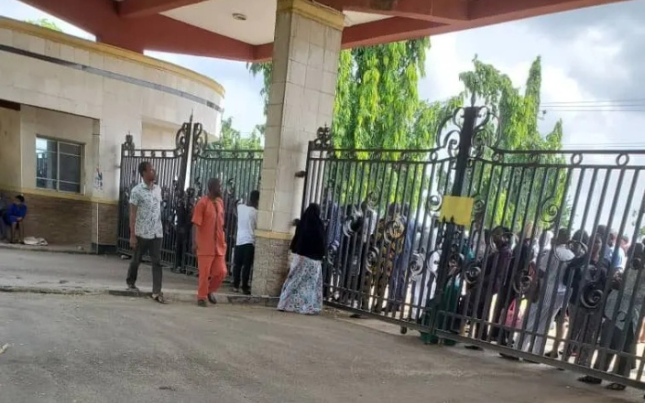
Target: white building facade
(66,105)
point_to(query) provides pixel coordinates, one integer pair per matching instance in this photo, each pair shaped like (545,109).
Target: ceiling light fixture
(239,16)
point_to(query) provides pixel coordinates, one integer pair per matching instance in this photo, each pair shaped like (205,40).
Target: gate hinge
(301,174)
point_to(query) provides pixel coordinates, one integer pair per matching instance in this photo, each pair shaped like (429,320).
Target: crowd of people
(208,237)
(504,287)
(579,295)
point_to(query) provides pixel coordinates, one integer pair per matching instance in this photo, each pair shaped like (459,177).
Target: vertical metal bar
(461,166)
(182,220)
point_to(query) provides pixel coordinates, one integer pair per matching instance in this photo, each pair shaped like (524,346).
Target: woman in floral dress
(302,291)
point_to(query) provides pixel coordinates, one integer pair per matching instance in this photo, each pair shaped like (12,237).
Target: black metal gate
(182,174)
(239,171)
(541,266)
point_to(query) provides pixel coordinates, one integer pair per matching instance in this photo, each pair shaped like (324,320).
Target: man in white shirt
(247,217)
(146,229)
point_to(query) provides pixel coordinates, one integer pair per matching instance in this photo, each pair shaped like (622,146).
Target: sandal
(158,298)
(590,380)
(552,354)
(616,387)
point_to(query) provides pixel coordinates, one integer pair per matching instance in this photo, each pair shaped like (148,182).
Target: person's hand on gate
(133,241)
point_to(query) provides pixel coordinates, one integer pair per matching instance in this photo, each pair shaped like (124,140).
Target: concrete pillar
(306,49)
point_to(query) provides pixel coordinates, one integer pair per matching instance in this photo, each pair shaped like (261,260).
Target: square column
(306,50)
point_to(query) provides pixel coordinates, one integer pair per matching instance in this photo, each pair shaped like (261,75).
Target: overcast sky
(592,61)
(588,55)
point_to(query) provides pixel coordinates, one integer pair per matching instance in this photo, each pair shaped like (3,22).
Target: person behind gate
(208,242)
(146,230)
(247,217)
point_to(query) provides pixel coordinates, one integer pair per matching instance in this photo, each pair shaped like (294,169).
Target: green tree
(377,106)
(526,193)
(235,159)
(232,139)
(46,23)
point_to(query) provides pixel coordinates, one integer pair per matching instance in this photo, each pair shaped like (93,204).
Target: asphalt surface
(63,271)
(116,349)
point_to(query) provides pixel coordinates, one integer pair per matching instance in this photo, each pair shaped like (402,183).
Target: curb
(42,290)
(27,248)
(171,295)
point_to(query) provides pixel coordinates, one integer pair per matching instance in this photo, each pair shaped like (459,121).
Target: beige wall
(10,164)
(157,136)
(58,126)
(120,93)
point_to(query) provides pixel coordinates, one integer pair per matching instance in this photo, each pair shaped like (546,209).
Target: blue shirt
(18,211)
(334,225)
(616,259)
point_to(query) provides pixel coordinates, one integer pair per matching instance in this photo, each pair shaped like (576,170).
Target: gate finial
(323,139)
(128,145)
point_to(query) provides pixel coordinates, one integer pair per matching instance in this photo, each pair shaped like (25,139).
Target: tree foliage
(377,107)
(232,139)
(232,158)
(519,194)
(46,23)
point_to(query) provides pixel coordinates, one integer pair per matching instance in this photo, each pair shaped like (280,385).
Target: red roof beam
(442,11)
(485,12)
(373,33)
(145,8)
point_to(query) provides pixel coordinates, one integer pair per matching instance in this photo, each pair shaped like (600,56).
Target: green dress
(449,303)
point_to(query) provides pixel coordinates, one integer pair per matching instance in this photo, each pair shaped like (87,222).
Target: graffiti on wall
(98,179)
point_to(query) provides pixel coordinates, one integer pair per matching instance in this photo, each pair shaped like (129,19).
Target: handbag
(513,310)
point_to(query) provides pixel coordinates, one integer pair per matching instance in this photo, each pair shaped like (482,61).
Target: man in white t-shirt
(247,217)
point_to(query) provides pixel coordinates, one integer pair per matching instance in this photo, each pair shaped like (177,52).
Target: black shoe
(508,357)
(132,287)
(201,303)
(211,298)
(235,290)
(246,291)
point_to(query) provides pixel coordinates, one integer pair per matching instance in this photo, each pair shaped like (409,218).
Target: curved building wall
(66,105)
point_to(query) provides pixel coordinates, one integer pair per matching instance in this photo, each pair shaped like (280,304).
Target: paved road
(109,349)
(73,271)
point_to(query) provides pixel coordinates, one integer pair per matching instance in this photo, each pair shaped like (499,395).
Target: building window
(58,165)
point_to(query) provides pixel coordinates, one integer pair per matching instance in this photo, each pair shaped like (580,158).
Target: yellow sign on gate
(459,209)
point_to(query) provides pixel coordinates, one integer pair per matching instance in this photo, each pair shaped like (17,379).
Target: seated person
(3,209)
(14,217)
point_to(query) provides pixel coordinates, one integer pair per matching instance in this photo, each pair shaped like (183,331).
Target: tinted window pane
(66,148)
(45,145)
(69,187)
(70,168)
(45,184)
(46,165)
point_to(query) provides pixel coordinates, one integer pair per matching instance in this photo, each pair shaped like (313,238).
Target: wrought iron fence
(239,171)
(182,174)
(538,249)
(167,164)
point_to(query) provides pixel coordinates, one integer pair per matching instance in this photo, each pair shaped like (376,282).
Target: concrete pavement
(106,349)
(62,273)
(96,348)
